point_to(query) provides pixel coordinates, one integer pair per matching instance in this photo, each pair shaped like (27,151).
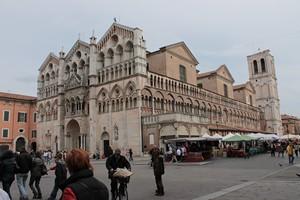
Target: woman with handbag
(37,171)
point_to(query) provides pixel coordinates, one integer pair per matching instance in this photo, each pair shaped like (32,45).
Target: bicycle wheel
(124,194)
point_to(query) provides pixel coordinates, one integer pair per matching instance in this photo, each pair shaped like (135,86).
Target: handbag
(44,170)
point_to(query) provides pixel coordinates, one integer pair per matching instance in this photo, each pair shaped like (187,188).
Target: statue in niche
(116,132)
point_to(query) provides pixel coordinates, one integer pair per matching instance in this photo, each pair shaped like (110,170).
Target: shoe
(159,194)
(39,196)
(298,174)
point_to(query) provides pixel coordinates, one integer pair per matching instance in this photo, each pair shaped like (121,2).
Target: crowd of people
(81,183)
(291,148)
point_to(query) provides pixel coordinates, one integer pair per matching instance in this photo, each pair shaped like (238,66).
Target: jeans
(291,159)
(54,192)
(36,191)
(6,187)
(21,182)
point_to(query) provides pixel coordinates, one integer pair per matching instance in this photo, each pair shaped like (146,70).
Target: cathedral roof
(50,57)
(75,47)
(215,72)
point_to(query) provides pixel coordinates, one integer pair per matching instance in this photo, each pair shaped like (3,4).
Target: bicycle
(121,192)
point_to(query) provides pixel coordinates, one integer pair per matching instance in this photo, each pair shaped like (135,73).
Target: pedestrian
(7,170)
(290,152)
(82,185)
(178,154)
(159,170)
(273,148)
(183,152)
(36,174)
(112,163)
(296,146)
(4,195)
(60,175)
(23,166)
(130,155)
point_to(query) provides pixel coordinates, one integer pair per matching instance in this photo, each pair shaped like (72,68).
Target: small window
(6,116)
(21,130)
(22,117)
(251,100)
(5,133)
(225,90)
(263,65)
(182,73)
(33,133)
(200,85)
(255,67)
(34,117)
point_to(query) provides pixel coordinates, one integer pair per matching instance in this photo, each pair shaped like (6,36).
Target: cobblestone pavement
(260,177)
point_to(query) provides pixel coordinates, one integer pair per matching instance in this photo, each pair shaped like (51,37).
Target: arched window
(255,67)
(263,65)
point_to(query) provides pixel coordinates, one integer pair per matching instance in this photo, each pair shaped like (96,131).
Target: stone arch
(105,143)
(168,130)
(20,143)
(73,133)
(130,88)
(116,91)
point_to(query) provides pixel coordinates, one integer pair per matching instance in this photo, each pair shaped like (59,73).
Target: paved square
(260,177)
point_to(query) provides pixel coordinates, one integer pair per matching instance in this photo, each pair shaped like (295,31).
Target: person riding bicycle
(113,162)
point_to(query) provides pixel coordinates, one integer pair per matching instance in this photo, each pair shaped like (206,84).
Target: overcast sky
(217,32)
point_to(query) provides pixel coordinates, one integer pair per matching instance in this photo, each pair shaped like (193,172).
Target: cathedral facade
(113,92)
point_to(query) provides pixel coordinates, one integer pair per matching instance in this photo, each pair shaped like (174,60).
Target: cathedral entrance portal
(20,144)
(105,143)
(73,135)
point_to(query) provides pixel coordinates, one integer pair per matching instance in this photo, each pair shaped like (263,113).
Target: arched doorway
(20,144)
(33,146)
(105,143)
(73,134)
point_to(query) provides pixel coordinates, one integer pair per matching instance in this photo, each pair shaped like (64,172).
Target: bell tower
(263,77)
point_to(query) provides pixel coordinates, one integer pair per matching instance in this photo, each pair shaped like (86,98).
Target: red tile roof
(17,96)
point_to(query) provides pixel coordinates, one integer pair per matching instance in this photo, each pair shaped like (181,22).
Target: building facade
(17,122)
(290,124)
(262,76)
(112,92)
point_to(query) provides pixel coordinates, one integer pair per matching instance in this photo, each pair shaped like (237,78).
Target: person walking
(82,185)
(130,155)
(60,175)
(23,166)
(159,170)
(36,174)
(179,154)
(112,163)
(7,170)
(290,152)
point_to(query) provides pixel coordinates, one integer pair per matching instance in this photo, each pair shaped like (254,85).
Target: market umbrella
(238,138)
(228,136)
(217,136)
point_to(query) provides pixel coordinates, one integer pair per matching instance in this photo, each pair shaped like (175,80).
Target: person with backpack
(159,170)
(60,175)
(82,185)
(7,170)
(23,166)
(36,174)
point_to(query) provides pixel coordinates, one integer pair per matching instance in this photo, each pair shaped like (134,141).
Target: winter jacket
(113,163)
(83,186)
(8,167)
(24,163)
(60,172)
(36,170)
(158,166)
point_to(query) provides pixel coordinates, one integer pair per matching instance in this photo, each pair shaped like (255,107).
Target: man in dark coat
(60,175)
(112,163)
(159,170)
(7,170)
(24,164)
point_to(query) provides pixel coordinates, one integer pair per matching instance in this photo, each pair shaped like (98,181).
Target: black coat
(60,172)
(113,163)
(24,163)
(85,186)
(8,167)
(36,170)
(158,166)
